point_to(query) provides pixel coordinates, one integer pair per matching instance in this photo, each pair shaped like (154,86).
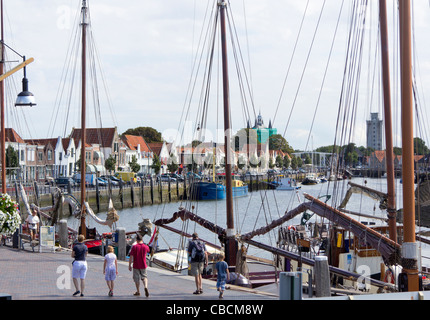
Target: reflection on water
(254,211)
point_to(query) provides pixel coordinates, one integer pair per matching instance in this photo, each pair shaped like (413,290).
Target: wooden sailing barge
(343,239)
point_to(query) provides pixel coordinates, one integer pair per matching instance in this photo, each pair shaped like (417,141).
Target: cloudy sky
(147,50)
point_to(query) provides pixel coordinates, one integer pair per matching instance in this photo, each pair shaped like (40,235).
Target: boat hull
(207,191)
(211,191)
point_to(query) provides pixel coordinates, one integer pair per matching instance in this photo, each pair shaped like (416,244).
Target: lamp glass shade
(25,98)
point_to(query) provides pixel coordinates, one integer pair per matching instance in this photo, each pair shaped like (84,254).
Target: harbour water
(258,209)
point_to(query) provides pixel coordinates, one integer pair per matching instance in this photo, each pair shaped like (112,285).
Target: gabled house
(137,146)
(162,151)
(377,161)
(13,139)
(101,143)
(43,165)
(68,158)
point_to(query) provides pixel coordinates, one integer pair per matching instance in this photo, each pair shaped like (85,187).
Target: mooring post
(63,233)
(322,277)
(121,243)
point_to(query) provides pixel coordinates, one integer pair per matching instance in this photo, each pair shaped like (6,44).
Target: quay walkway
(27,275)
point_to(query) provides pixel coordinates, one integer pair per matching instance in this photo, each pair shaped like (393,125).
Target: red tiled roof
(42,142)
(133,141)
(12,136)
(156,147)
(102,136)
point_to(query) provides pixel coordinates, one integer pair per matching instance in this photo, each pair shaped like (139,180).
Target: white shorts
(79,269)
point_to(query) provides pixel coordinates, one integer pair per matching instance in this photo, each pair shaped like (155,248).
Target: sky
(147,50)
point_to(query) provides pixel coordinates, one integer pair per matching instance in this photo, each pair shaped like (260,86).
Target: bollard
(322,277)
(290,286)
(121,243)
(63,233)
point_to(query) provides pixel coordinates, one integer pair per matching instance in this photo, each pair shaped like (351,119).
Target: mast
(409,247)
(2,103)
(83,117)
(388,121)
(231,244)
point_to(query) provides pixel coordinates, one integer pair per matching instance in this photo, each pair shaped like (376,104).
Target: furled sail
(111,218)
(185,214)
(374,194)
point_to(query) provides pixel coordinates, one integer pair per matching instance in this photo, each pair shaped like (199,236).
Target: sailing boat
(343,232)
(82,208)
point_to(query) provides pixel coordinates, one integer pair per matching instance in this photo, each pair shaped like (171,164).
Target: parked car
(165,178)
(192,175)
(102,182)
(114,181)
(64,182)
(178,177)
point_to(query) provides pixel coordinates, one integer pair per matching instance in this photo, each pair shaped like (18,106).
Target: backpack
(198,253)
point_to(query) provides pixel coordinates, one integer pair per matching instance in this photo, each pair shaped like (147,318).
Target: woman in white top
(33,223)
(110,269)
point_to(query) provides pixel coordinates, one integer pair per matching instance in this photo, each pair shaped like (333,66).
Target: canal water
(256,210)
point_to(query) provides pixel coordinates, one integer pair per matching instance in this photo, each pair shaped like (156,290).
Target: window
(49,155)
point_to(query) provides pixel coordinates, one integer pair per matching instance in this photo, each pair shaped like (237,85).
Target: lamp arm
(17,68)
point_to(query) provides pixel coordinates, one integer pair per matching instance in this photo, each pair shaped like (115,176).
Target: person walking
(33,222)
(80,267)
(110,269)
(198,259)
(137,263)
(223,275)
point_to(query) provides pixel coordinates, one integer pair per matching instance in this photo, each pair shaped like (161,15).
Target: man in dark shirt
(199,260)
(80,267)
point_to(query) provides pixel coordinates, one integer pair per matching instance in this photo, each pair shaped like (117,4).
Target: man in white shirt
(33,223)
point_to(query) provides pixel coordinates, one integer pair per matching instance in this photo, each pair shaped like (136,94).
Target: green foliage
(149,134)
(134,166)
(278,142)
(11,159)
(156,164)
(110,164)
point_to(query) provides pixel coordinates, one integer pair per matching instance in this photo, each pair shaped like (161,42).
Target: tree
(110,164)
(294,164)
(279,162)
(156,164)
(134,166)
(172,165)
(350,154)
(420,147)
(11,159)
(271,163)
(278,142)
(78,165)
(288,162)
(149,134)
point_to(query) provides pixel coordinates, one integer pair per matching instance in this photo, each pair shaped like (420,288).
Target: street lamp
(25,98)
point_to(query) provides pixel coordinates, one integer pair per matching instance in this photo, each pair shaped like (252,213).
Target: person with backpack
(199,260)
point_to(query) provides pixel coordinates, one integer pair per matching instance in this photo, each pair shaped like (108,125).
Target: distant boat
(310,179)
(287,184)
(216,191)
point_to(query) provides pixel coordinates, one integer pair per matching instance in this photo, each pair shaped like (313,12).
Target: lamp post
(26,99)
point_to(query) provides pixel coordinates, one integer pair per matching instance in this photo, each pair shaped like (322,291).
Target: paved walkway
(27,275)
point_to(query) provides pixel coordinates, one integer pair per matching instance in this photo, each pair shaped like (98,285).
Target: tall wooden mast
(83,116)
(388,121)
(409,247)
(231,244)
(2,103)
